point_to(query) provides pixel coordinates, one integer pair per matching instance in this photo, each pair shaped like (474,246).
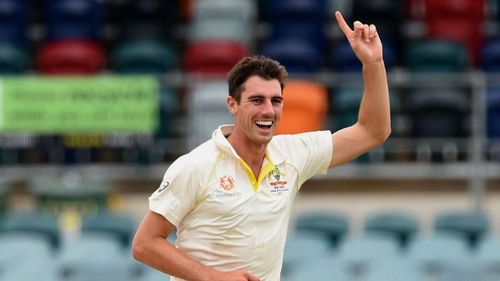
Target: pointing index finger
(342,23)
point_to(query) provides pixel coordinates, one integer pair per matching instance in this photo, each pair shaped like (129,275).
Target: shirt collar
(220,135)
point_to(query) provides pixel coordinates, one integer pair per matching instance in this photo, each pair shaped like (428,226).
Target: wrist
(373,64)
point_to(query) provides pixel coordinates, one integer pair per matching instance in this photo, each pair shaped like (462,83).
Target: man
(230,198)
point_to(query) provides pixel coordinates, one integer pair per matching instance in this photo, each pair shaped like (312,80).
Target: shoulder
(280,142)
(198,159)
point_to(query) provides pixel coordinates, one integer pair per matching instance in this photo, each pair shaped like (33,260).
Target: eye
(277,101)
(256,100)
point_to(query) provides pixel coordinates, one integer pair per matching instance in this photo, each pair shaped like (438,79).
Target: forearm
(374,111)
(164,257)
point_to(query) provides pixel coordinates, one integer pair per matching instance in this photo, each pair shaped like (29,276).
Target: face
(259,111)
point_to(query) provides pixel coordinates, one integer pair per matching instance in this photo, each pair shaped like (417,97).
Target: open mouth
(264,124)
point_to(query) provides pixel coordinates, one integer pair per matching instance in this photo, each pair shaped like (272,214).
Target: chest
(231,191)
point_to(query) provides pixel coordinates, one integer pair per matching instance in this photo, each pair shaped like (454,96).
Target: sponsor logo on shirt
(227,183)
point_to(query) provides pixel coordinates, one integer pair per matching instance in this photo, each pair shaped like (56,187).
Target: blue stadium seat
(334,226)
(488,254)
(298,56)
(95,257)
(359,254)
(343,59)
(121,226)
(493,112)
(490,56)
(399,225)
(13,21)
(74,18)
(434,252)
(34,223)
(470,226)
(311,31)
(298,9)
(302,247)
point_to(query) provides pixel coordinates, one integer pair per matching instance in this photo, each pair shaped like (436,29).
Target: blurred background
(98,97)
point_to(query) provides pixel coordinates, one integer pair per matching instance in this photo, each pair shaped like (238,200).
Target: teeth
(264,123)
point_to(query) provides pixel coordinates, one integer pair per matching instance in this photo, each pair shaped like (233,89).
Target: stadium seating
(35,223)
(342,58)
(493,112)
(319,268)
(438,112)
(301,248)
(76,19)
(399,225)
(487,255)
(360,253)
(119,225)
(399,269)
(244,11)
(334,226)
(298,9)
(305,107)
(385,14)
(14,21)
(94,257)
(470,9)
(14,59)
(150,19)
(432,253)
(299,56)
(207,109)
(144,56)
(490,56)
(26,257)
(70,57)
(468,225)
(461,31)
(432,55)
(213,57)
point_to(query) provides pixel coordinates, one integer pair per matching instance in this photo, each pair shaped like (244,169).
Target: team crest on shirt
(279,186)
(227,183)
(276,173)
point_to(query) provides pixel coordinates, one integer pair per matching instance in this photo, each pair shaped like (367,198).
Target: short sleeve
(177,193)
(310,152)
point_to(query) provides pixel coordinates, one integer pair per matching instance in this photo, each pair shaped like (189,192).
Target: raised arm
(151,247)
(374,122)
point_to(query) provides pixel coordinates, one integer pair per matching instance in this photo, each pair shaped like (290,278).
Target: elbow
(139,249)
(382,136)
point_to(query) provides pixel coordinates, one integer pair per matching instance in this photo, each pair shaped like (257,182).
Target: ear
(231,105)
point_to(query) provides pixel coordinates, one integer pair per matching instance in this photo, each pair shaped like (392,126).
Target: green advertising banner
(100,104)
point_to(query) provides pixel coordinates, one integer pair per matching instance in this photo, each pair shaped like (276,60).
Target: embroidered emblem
(227,183)
(276,173)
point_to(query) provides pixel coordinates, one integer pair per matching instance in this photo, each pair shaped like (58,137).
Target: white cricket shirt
(225,217)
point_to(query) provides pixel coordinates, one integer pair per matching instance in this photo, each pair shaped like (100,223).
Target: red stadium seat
(70,57)
(213,56)
(467,32)
(464,9)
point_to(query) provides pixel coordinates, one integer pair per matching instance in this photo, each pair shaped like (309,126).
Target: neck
(253,154)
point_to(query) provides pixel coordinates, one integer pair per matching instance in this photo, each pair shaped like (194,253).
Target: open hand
(364,40)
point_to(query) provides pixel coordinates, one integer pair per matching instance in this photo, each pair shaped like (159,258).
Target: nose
(267,109)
